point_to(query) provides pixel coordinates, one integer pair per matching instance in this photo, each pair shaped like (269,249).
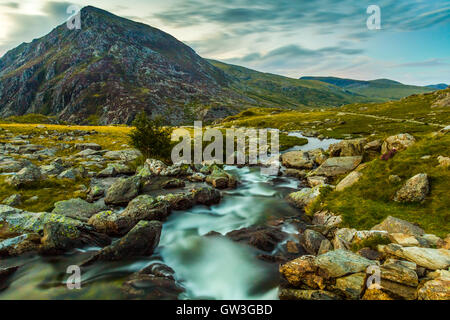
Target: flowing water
(207,267)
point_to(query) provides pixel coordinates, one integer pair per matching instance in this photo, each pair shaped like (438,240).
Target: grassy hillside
(376,90)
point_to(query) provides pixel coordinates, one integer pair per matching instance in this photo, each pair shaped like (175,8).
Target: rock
(173,184)
(197,177)
(397,291)
(84,146)
(343,238)
(318,156)
(397,272)
(395,225)
(25,177)
(155,282)
(220,179)
(325,246)
(414,190)
(73,173)
(53,169)
(123,191)
(351,286)
(77,209)
(370,254)
(140,241)
(444,161)
(317,181)
(59,238)
(338,263)
(399,142)
(19,245)
(127,155)
(95,192)
(13,200)
(326,219)
(311,240)
(207,196)
(12,165)
(439,274)
(88,153)
(373,146)
(431,240)
(333,167)
(433,259)
(299,174)
(5,274)
(304,197)
(264,238)
(405,240)
(347,148)
(110,223)
(376,294)
(178,201)
(295,294)
(438,289)
(349,180)
(297,160)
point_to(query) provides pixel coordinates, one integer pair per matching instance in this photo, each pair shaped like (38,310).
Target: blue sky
(289,37)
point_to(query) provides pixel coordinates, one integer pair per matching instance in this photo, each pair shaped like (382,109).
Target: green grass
(369,201)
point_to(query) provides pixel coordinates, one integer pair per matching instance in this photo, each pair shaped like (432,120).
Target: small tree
(151,138)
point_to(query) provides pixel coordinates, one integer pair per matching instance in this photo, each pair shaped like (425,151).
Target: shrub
(151,138)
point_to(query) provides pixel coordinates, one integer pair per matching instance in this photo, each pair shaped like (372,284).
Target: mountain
(376,90)
(439,86)
(107,72)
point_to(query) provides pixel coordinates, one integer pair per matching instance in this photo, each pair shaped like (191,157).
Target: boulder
(433,259)
(264,238)
(397,272)
(26,176)
(327,219)
(351,286)
(405,240)
(173,184)
(314,181)
(395,225)
(414,190)
(347,148)
(373,146)
(207,195)
(311,240)
(333,167)
(220,179)
(304,197)
(352,178)
(127,155)
(111,223)
(123,191)
(140,241)
(438,289)
(298,174)
(338,263)
(399,142)
(343,238)
(178,201)
(297,160)
(77,209)
(28,242)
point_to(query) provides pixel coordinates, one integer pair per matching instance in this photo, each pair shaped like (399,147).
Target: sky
(293,38)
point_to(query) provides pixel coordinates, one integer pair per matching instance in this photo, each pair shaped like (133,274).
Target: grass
(369,201)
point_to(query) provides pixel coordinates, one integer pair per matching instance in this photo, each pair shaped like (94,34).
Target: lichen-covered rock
(173,184)
(140,241)
(28,242)
(351,286)
(297,160)
(311,240)
(395,225)
(302,271)
(343,238)
(399,273)
(437,289)
(327,219)
(220,179)
(352,178)
(314,181)
(127,155)
(414,190)
(13,200)
(178,201)
(145,207)
(207,196)
(77,209)
(110,223)
(347,148)
(333,167)
(338,263)
(26,176)
(123,191)
(399,142)
(304,197)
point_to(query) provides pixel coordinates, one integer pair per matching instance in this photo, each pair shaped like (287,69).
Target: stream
(207,267)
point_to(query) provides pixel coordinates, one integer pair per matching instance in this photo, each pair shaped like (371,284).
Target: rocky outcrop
(400,142)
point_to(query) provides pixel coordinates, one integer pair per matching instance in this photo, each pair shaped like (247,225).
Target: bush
(151,138)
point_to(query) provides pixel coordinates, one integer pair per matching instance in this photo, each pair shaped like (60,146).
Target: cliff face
(108,71)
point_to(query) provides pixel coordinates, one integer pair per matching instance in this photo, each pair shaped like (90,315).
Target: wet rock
(333,167)
(347,148)
(13,200)
(261,237)
(399,142)
(304,197)
(207,196)
(140,241)
(16,246)
(395,225)
(297,160)
(296,294)
(414,190)
(197,177)
(110,223)
(77,209)
(25,177)
(311,240)
(59,238)
(340,262)
(178,201)
(173,184)
(5,274)
(349,180)
(220,179)
(123,191)
(433,259)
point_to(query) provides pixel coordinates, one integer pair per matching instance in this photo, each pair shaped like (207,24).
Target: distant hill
(377,90)
(439,86)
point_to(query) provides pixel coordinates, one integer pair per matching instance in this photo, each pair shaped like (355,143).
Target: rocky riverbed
(155,231)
